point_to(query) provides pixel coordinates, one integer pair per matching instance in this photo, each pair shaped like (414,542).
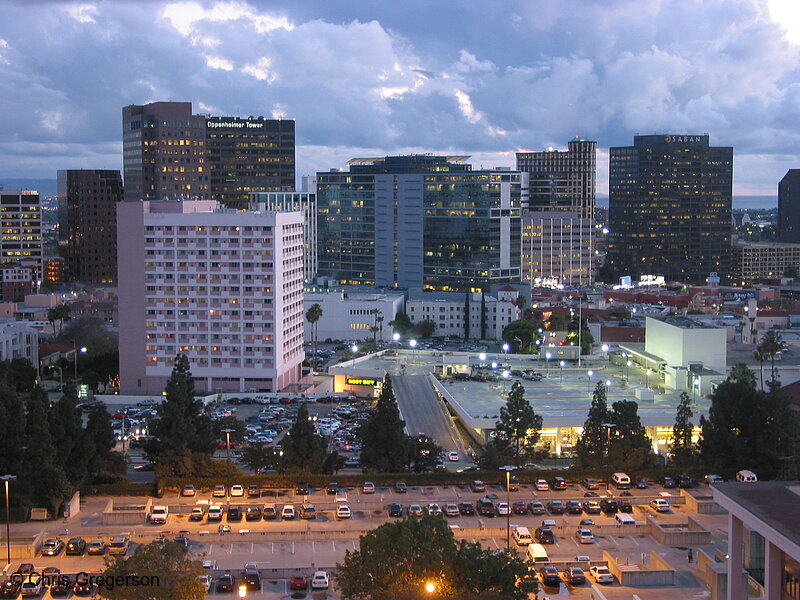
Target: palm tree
(313,314)
(760,356)
(771,345)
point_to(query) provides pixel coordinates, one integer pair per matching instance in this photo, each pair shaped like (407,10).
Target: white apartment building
(18,340)
(447,310)
(350,316)
(223,287)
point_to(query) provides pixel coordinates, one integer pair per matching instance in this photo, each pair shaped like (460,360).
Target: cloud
(387,77)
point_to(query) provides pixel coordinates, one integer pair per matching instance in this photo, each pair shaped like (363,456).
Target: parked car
(234,513)
(10,589)
(269,512)
(640,483)
(536,508)
(287,512)
(668,482)
(253,513)
(301,488)
(556,507)
(332,489)
(320,581)
(609,506)
(96,548)
(584,536)
(601,574)
(226,583)
(434,509)
(197,513)
(685,482)
(541,485)
(251,581)
(342,511)
(544,535)
(298,582)
(237,491)
(188,491)
(486,507)
(519,507)
(503,509)
(395,510)
(574,507)
(76,546)
(660,505)
(368,487)
(400,487)
(550,576)
(592,507)
(52,547)
(558,483)
(415,510)
(478,486)
(466,508)
(590,484)
(575,576)
(253,491)
(625,506)
(451,510)
(308,512)
(219,491)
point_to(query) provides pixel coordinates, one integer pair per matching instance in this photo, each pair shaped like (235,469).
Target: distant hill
(756,202)
(45,187)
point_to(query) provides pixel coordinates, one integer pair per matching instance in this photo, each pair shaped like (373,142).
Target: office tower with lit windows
(21,239)
(221,286)
(789,207)
(670,208)
(419,221)
(87,224)
(170,152)
(562,180)
(558,226)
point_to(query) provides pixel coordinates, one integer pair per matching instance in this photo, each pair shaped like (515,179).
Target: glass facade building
(670,208)
(789,207)
(419,221)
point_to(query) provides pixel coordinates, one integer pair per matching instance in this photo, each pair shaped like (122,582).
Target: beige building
(557,248)
(758,260)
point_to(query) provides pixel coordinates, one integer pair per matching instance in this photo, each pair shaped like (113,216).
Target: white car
(31,587)
(549,523)
(503,509)
(601,574)
(237,491)
(453,457)
(541,485)
(342,511)
(660,505)
(320,581)
(585,536)
(434,509)
(287,512)
(207,581)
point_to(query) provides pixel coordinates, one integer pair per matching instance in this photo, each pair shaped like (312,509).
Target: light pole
(60,377)
(647,378)
(604,348)
(506,375)
(548,356)
(589,380)
(580,330)
(628,370)
(413,344)
(508,503)
(228,433)
(82,350)
(395,337)
(506,348)
(242,591)
(7,479)
(561,372)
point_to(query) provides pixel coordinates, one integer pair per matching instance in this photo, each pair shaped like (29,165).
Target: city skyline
(726,68)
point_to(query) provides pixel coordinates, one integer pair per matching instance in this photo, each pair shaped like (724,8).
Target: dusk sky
(366,78)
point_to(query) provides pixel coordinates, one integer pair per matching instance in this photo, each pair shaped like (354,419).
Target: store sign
(361,381)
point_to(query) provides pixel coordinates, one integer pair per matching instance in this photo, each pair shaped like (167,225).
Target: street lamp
(628,370)
(589,380)
(7,479)
(506,375)
(430,587)
(647,378)
(354,348)
(60,377)
(604,348)
(506,348)
(548,356)
(508,503)
(396,337)
(228,433)
(413,344)
(561,372)
(82,350)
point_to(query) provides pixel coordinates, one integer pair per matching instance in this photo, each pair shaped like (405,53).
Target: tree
(313,315)
(521,335)
(423,454)
(58,314)
(73,452)
(12,431)
(557,322)
(495,453)
(178,576)
(683,450)
(182,430)
(22,374)
(303,449)
(519,424)
(747,428)
(592,445)
(100,436)
(401,323)
(772,345)
(740,372)
(259,456)
(397,559)
(760,356)
(383,439)
(425,328)
(520,303)
(630,448)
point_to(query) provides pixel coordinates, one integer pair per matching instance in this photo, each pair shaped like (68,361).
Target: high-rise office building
(170,152)
(87,224)
(789,207)
(21,238)
(295,201)
(670,208)
(562,180)
(557,248)
(419,221)
(558,227)
(223,287)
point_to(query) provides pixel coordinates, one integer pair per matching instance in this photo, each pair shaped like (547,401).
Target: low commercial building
(352,315)
(752,261)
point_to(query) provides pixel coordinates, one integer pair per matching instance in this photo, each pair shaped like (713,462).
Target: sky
(486,78)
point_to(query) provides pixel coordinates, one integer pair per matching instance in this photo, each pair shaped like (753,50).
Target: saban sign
(684,139)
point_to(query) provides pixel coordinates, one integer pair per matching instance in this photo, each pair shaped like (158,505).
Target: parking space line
(292,547)
(334,545)
(313,549)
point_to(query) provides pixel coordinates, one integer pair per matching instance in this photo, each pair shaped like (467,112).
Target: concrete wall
(693,535)
(661,574)
(701,504)
(125,517)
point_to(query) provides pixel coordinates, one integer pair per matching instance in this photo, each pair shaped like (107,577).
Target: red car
(298,582)
(520,508)
(224,444)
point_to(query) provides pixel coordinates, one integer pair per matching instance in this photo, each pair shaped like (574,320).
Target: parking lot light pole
(228,433)
(508,504)
(7,479)
(647,378)
(413,344)
(548,356)
(561,364)
(589,380)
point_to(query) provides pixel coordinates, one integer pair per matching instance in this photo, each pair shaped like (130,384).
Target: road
(423,412)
